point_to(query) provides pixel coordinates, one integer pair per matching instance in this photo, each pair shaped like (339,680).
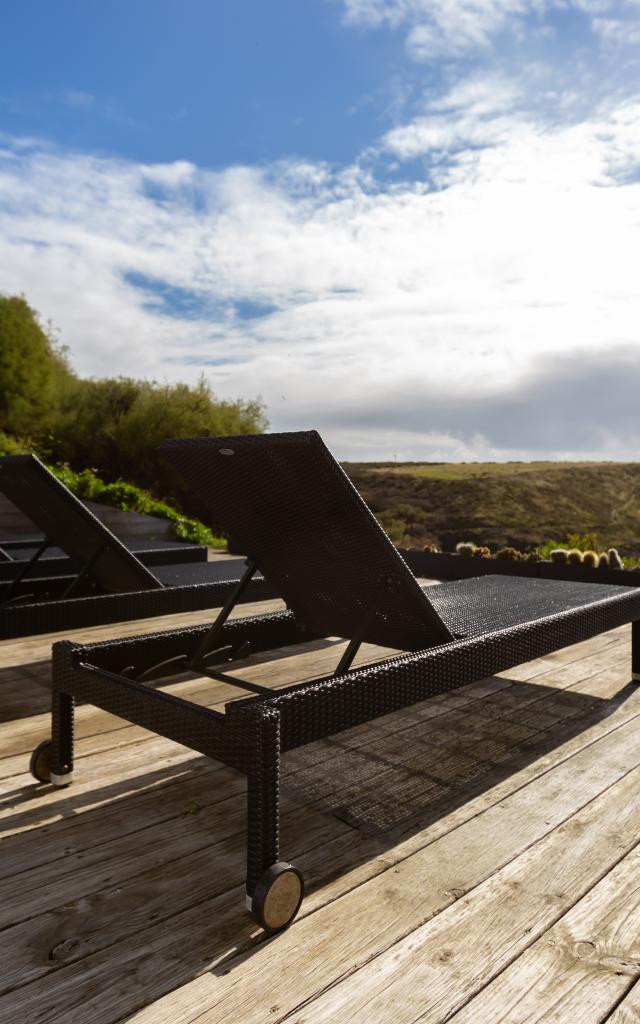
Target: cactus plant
(532,556)
(431,549)
(574,556)
(465,547)
(615,562)
(511,553)
(558,555)
(481,552)
(603,561)
(590,559)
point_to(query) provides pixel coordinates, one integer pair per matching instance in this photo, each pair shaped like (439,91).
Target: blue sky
(408,223)
(216,83)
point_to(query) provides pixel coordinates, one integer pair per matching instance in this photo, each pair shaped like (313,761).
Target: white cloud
(453,28)
(347,304)
(617,32)
(479,94)
(441,27)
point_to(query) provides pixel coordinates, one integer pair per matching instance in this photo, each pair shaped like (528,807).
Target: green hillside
(519,503)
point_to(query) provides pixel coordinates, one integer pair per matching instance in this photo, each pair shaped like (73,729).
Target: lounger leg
(635,651)
(263,840)
(274,888)
(62,734)
(52,760)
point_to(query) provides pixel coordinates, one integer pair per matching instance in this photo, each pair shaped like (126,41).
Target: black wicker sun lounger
(106,583)
(295,512)
(53,561)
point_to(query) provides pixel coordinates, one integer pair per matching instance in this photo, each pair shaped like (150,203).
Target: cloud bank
(468,288)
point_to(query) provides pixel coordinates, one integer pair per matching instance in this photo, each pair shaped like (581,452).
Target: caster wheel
(41,765)
(277,897)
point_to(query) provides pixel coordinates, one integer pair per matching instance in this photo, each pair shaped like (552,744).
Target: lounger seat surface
(199,572)
(483,604)
(54,562)
(181,575)
(26,548)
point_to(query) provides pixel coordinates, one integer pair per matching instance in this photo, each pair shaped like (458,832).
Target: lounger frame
(34,617)
(253,732)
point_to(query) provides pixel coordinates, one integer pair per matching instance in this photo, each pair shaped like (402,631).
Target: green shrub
(32,370)
(117,424)
(395,529)
(582,541)
(14,445)
(129,498)
(114,424)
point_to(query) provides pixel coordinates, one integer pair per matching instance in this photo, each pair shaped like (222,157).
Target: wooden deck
(471,859)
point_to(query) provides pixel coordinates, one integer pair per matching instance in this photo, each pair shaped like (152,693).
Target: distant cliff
(520,504)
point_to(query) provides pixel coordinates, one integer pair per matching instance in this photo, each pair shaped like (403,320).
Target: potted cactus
(562,563)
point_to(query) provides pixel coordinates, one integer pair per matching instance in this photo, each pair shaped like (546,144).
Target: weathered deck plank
(578,969)
(121,898)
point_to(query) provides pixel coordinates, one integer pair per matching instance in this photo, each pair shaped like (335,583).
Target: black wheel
(277,897)
(41,765)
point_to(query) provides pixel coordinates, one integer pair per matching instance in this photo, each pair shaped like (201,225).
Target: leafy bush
(32,370)
(128,498)
(117,424)
(582,541)
(112,424)
(394,528)
(13,445)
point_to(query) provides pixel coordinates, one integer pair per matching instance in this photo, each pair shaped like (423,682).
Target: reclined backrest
(70,525)
(293,511)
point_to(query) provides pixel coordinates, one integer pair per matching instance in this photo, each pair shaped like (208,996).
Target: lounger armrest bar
(312,710)
(198,727)
(263,632)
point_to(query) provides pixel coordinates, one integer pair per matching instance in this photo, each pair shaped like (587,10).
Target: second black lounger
(54,562)
(109,584)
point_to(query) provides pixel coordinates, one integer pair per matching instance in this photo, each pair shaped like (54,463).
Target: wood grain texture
(579,968)
(121,898)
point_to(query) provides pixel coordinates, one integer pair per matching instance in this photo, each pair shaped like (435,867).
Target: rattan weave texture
(291,508)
